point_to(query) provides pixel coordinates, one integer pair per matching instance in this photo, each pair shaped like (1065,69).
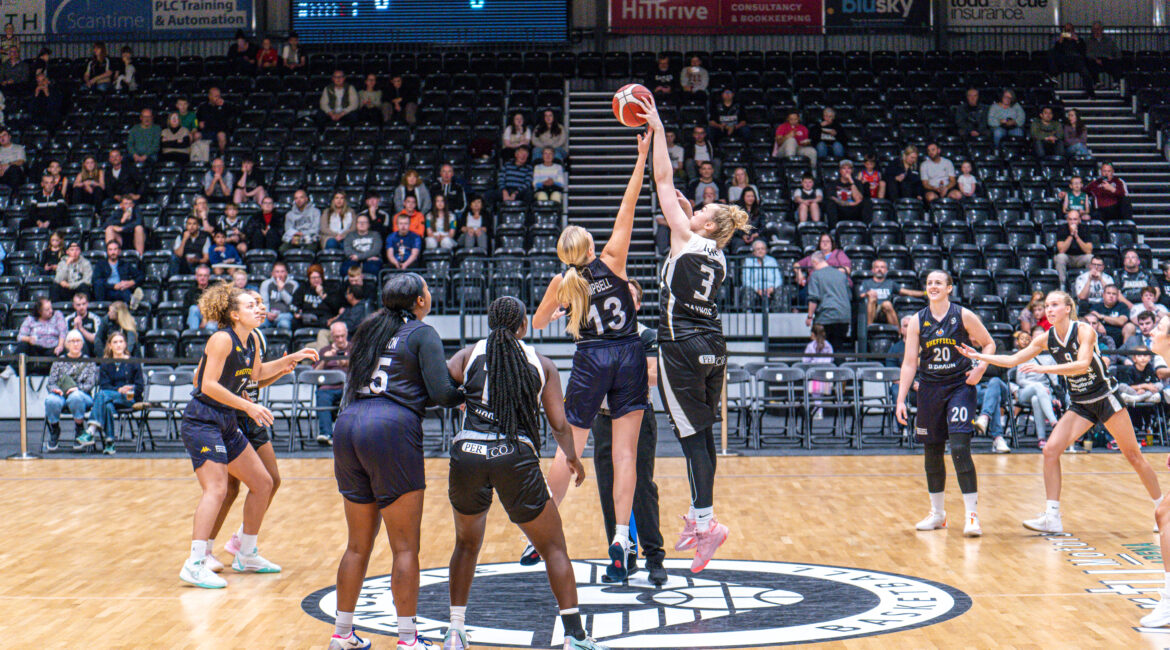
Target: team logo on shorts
(733,603)
(204,450)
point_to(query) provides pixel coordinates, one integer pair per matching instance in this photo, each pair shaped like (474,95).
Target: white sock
(691,512)
(240,532)
(1053,507)
(198,549)
(247,544)
(211,543)
(1158,502)
(703,517)
(458,617)
(622,534)
(937,502)
(407,632)
(971,501)
(344,624)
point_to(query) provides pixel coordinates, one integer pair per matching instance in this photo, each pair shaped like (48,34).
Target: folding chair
(167,393)
(307,405)
(779,390)
(881,401)
(839,403)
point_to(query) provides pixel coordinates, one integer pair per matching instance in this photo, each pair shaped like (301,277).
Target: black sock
(936,468)
(964,465)
(698,448)
(572,624)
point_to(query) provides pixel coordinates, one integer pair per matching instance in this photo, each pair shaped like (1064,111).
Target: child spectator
(223,257)
(808,199)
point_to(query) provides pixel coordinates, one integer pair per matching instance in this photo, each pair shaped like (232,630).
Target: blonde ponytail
(573,248)
(728,219)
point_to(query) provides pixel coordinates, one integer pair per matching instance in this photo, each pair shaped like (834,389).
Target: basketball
(625,110)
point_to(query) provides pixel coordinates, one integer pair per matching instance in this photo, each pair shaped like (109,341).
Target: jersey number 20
(941,355)
(618,316)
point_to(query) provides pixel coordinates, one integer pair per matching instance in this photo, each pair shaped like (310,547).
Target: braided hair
(399,295)
(514,392)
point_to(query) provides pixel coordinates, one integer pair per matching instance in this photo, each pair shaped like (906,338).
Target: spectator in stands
(447,186)
(47,106)
(1148,303)
(549,179)
(551,133)
(1138,383)
(74,274)
(90,184)
(218,182)
(834,257)
(1076,199)
(195,318)
(740,182)
(266,230)
(42,333)
(116,278)
(441,225)
(14,73)
(250,184)
(144,140)
(1076,139)
(302,224)
(371,110)
(363,247)
(356,307)
(123,224)
(1068,55)
(48,208)
(9,39)
(1104,340)
(870,178)
(1133,279)
(845,197)
(902,179)
(516,136)
(412,185)
(967,183)
(215,117)
(699,151)
(418,220)
(241,54)
(1033,315)
(695,78)
(267,58)
(201,210)
(233,227)
(710,195)
(329,395)
(12,161)
(121,180)
(290,55)
(125,71)
(828,301)
(677,156)
(792,139)
(187,117)
(312,303)
(1164,284)
(727,119)
(69,385)
(401,100)
(1005,117)
(1109,192)
(1114,315)
(403,246)
(993,395)
(98,75)
(1090,285)
(761,275)
(119,384)
(1142,335)
(662,81)
(1073,248)
(474,226)
(1047,135)
(175,141)
(277,292)
(750,202)
(704,182)
(516,178)
(336,221)
(828,135)
(191,248)
(971,117)
(879,291)
(807,199)
(1034,389)
(379,219)
(223,256)
(938,175)
(1103,55)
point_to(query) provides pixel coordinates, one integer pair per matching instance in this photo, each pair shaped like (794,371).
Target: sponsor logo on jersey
(475,448)
(712,360)
(204,449)
(220,449)
(732,604)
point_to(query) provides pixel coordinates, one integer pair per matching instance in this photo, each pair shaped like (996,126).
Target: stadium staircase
(1118,135)
(603,153)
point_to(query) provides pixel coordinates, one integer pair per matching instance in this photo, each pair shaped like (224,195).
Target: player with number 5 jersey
(946,395)
(610,363)
(692,353)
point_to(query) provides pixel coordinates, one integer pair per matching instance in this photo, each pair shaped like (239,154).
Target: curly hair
(218,301)
(727,220)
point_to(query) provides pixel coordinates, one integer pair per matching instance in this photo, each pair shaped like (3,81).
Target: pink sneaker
(706,545)
(686,539)
(233,544)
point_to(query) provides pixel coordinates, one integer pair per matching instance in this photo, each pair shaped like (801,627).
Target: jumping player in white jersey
(1094,401)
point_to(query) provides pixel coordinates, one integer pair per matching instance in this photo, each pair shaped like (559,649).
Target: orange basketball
(626,111)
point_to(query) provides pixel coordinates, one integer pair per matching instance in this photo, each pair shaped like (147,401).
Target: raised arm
(668,198)
(618,247)
(1006,360)
(1087,340)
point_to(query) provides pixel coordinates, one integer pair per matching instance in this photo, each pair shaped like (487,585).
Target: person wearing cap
(845,197)
(74,274)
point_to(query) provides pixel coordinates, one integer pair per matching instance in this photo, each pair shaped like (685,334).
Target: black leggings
(699,449)
(936,468)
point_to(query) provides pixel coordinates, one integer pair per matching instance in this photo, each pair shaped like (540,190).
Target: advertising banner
(1001,13)
(714,16)
(26,16)
(877,13)
(158,18)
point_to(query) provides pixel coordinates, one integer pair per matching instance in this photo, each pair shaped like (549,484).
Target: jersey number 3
(614,308)
(707,283)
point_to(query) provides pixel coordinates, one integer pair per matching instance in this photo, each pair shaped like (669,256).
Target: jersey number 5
(381,379)
(614,307)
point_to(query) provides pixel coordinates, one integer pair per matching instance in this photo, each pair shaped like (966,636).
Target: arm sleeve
(427,346)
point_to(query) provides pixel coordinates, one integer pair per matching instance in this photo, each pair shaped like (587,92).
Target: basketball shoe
(1160,617)
(933,521)
(196,572)
(617,568)
(1045,522)
(350,642)
(212,562)
(686,539)
(529,557)
(419,643)
(972,528)
(584,644)
(254,563)
(706,543)
(456,640)
(233,544)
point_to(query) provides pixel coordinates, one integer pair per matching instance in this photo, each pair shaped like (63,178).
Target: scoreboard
(431,21)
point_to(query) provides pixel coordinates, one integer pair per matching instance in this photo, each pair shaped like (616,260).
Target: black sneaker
(657,572)
(631,569)
(54,437)
(617,571)
(529,557)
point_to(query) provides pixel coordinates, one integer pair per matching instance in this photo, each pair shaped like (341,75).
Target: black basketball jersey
(1089,387)
(939,360)
(611,307)
(690,283)
(399,375)
(475,385)
(252,387)
(237,369)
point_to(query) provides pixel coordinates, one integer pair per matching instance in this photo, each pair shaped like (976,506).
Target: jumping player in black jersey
(211,432)
(610,362)
(946,395)
(1160,617)
(692,353)
(507,382)
(1094,398)
(396,368)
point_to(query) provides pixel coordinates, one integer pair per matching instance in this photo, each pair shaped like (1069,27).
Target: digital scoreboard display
(430,21)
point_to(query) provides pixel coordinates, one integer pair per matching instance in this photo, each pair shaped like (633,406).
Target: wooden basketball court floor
(91,550)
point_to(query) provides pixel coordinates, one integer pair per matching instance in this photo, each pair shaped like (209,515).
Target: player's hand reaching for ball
(650,113)
(644,141)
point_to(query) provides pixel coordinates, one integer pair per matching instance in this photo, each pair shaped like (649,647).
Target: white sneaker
(212,562)
(456,640)
(1000,446)
(196,572)
(1160,617)
(981,423)
(351,642)
(254,563)
(1045,522)
(972,528)
(933,521)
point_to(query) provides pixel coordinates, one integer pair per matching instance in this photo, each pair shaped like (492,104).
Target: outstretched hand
(644,140)
(968,351)
(649,113)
